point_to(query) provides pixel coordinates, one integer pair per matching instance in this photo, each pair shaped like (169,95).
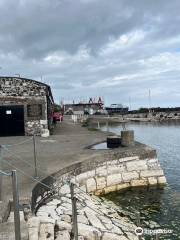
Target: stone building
(26,107)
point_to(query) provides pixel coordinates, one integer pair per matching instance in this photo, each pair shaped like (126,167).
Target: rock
(67,205)
(129,159)
(139,183)
(67,212)
(153,224)
(117,230)
(113,162)
(110,189)
(63,235)
(119,168)
(82,188)
(99,192)
(65,189)
(132,236)
(109,226)
(59,211)
(152,181)
(112,236)
(33,234)
(54,202)
(81,178)
(122,186)
(81,238)
(47,220)
(94,220)
(33,228)
(88,232)
(130,176)
(151,173)
(65,199)
(162,180)
(33,222)
(91,185)
(101,182)
(64,226)
(82,219)
(114,179)
(101,171)
(136,165)
(47,229)
(105,219)
(45,133)
(66,218)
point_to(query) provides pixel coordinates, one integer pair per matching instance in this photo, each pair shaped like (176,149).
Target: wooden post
(16,206)
(74,213)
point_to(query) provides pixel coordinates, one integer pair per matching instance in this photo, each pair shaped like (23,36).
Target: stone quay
(111,170)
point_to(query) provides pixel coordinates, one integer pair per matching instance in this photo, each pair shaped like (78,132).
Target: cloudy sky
(118,49)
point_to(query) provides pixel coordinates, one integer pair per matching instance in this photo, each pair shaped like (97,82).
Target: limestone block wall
(108,171)
(121,173)
(102,173)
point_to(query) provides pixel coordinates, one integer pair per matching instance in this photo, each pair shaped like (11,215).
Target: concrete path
(64,147)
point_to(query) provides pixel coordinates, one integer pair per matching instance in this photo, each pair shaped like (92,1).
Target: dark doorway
(12,120)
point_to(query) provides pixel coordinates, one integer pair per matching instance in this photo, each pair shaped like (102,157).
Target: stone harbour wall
(121,173)
(97,218)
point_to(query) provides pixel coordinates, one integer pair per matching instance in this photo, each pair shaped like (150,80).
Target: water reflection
(100,146)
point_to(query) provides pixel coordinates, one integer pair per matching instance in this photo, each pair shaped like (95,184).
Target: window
(34,111)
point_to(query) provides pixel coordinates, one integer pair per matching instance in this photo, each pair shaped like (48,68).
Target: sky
(117,49)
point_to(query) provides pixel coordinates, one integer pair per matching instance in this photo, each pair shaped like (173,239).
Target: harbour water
(159,208)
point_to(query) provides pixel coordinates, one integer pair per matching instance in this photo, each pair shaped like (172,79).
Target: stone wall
(156,116)
(31,94)
(121,173)
(111,171)
(12,86)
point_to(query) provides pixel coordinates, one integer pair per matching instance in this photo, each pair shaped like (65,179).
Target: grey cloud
(37,28)
(32,31)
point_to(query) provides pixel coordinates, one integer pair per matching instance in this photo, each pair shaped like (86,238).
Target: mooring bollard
(113,141)
(127,138)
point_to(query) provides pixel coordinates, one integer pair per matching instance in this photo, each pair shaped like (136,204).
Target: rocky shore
(97,219)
